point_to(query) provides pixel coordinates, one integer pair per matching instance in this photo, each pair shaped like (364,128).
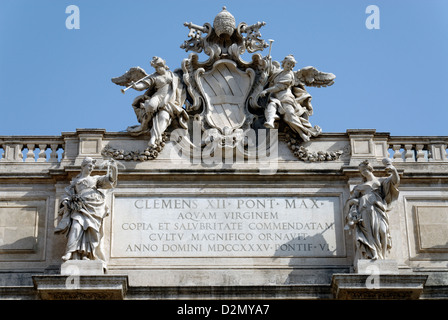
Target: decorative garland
(137,155)
(304,154)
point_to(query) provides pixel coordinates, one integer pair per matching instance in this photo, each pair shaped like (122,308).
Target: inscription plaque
(226,227)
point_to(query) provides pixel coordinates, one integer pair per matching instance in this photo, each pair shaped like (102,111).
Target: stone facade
(179,228)
(224,190)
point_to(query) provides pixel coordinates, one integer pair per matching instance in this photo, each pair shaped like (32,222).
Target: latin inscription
(228,227)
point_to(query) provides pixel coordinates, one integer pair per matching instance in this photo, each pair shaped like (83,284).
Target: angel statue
(367,209)
(160,104)
(289,98)
(82,210)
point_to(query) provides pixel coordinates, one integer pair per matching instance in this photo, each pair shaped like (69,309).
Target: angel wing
(312,77)
(133,74)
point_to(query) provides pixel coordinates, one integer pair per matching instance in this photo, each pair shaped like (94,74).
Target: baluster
(18,151)
(409,155)
(54,154)
(30,157)
(420,153)
(397,152)
(42,157)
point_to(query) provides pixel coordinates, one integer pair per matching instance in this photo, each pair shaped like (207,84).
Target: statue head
(88,164)
(224,23)
(87,160)
(158,62)
(365,168)
(289,62)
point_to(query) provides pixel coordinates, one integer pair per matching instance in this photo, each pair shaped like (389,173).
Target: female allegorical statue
(82,211)
(366,211)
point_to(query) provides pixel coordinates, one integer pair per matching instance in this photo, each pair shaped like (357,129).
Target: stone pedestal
(82,267)
(367,266)
(386,286)
(81,280)
(377,279)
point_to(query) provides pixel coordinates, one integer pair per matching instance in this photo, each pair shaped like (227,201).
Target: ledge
(76,287)
(240,292)
(381,286)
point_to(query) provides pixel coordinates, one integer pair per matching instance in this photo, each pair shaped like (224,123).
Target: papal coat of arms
(226,95)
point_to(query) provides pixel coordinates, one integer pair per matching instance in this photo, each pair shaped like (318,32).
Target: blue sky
(53,80)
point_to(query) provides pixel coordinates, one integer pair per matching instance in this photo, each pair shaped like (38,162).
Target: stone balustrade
(421,149)
(364,144)
(35,170)
(369,144)
(31,149)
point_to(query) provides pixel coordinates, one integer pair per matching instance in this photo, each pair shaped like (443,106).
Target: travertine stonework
(224,189)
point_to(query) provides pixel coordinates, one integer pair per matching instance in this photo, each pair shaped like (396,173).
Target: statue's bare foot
(152,144)
(304,137)
(67,256)
(269,124)
(135,130)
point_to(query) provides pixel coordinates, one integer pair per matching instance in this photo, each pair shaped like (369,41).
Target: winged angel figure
(160,104)
(288,97)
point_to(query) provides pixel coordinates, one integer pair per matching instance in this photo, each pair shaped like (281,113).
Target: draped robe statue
(367,211)
(82,211)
